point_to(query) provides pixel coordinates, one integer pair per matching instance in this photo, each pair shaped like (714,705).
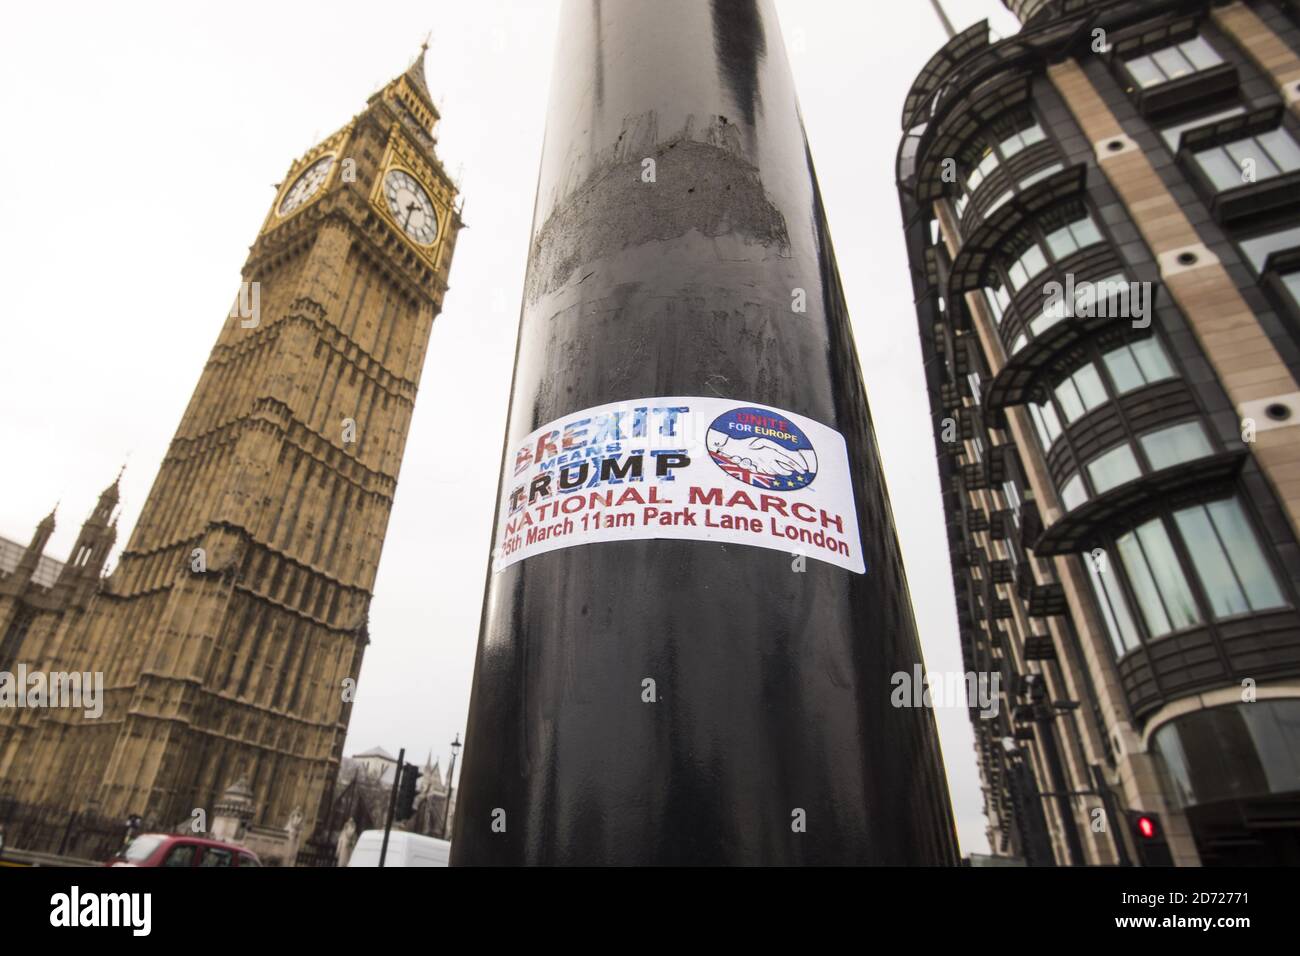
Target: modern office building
(1102,214)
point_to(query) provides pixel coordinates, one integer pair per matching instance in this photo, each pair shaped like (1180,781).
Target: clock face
(411,206)
(306,185)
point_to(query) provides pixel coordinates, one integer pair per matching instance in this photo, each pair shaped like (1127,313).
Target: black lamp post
(681,696)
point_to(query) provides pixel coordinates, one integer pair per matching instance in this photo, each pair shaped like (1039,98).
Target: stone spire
(415,72)
(32,556)
(95,541)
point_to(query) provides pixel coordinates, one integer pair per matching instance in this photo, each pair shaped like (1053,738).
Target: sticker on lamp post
(704,469)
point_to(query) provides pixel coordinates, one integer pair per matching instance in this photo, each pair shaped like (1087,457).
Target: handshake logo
(762,448)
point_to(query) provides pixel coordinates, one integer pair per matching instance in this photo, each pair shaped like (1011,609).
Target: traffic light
(1149,839)
(406,791)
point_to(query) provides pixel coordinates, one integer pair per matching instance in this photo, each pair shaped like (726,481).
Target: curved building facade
(1102,214)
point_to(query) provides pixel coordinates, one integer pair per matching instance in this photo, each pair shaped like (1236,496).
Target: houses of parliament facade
(235,621)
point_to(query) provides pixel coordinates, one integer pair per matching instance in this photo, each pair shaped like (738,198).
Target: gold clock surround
(400,154)
(281,213)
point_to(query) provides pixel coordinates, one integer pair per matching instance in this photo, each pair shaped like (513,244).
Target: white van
(404,849)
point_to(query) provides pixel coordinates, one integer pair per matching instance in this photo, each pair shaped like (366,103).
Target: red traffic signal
(1148,838)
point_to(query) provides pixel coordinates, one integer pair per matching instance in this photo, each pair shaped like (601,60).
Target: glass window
(1163,597)
(1048,318)
(1112,468)
(981,172)
(1072,237)
(1228,558)
(1073,493)
(998,299)
(959,204)
(1088,381)
(181,855)
(1021,341)
(1171,62)
(1291,281)
(998,203)
(1174,134)
(1271,154)
(1249,152)
(1138,363)
(1114,608)
(141,848)
(1018,141)
(1012,496)
(1232,752)
(1081,392)
(1110,296)
(1068,398)
(1175,444)
(1144,71)
(213,856)
(1281,148)
(1027,265)
(1258,249)
(1061,243)
(1041,175)
(1220,168)
(1046,423)
(1200,53)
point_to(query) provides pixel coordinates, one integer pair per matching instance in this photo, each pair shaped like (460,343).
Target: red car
(170,849)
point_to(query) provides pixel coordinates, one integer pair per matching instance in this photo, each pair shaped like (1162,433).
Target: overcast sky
(142,144)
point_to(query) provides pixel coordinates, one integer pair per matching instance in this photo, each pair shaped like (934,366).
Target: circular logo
(762,448)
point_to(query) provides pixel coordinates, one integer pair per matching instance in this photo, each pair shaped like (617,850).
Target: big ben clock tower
(235,622)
